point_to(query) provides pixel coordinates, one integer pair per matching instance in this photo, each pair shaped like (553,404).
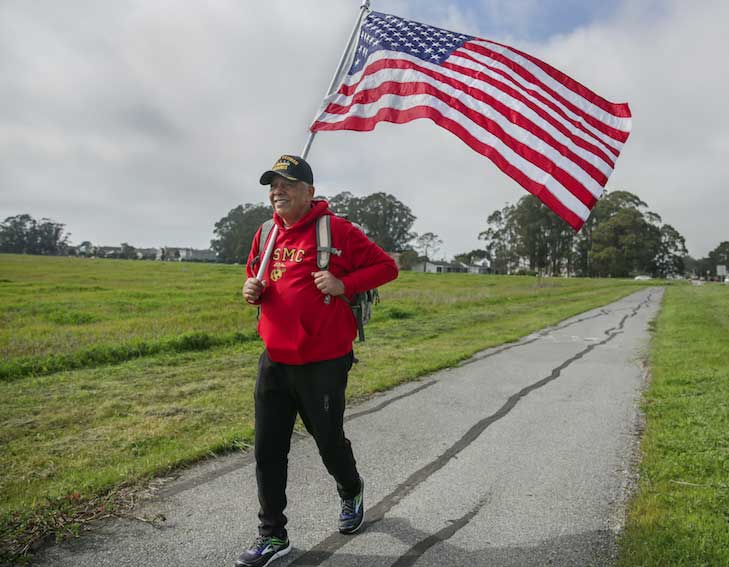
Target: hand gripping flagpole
(363,9)
(267,255)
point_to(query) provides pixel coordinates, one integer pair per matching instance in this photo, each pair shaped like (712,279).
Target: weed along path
(520,456)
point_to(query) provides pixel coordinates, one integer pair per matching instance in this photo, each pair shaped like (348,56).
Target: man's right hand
(252,290)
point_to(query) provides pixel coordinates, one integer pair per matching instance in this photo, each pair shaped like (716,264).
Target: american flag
(552,135)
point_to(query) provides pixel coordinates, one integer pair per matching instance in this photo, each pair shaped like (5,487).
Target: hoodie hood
(319,207)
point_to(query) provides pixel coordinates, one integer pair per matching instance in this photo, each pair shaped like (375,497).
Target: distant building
(193,255)
(433,267)
(168,254)
(86,249)
(107,251)
(172,254)
(482,266)
(165,253)
(147,253)
(439,267)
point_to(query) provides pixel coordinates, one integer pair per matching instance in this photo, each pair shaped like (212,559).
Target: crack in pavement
(411,556)
(389,401)
(478,358)
(541,334)
(247,458)
(328,546)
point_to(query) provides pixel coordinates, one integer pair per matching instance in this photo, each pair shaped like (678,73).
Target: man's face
(290,199)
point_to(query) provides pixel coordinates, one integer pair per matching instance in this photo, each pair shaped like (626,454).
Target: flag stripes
(581,121)
(446,116)
(577,107)
(448,85)
(549,133)
(560,79)
(596,152)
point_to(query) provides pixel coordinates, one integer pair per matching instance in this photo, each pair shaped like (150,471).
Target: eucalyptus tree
(235,231)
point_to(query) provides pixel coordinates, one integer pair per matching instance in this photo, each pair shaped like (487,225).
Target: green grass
(61,306)
(680,515)
(72,432)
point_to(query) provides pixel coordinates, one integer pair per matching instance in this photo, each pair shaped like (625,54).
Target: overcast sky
(146,122)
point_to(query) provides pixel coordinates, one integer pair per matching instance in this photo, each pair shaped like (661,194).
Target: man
(308,328)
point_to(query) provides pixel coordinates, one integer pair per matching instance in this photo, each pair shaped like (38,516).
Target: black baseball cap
(293,168)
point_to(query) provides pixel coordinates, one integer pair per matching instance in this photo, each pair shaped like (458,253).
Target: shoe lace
(348,506)
(259,543)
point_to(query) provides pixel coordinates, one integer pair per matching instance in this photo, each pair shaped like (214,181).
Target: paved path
(519,457)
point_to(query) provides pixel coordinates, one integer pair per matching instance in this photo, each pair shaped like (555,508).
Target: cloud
(665,61)
(147,122)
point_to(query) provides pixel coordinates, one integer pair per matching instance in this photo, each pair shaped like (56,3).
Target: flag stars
(384,31)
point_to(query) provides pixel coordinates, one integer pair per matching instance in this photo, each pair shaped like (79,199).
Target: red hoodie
(296,325)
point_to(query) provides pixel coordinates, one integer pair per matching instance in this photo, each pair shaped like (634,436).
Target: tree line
(385,219)
(621,238)
(22,234)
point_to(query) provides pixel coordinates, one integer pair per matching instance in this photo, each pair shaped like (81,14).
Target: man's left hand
(327,283)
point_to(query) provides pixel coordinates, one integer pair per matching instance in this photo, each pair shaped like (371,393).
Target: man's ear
(312,190)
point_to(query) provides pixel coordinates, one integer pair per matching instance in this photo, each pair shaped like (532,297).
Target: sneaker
(352,515)
(264,551)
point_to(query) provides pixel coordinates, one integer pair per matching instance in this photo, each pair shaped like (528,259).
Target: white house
(147,253)
(482,266)
(434,267)
(439,267)
(193,255)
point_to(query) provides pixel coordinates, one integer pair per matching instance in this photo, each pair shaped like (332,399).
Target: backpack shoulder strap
(324,248)
(266,228)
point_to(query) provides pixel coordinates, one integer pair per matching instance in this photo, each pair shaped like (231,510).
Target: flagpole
(337,75)
(267,255)
(364,7)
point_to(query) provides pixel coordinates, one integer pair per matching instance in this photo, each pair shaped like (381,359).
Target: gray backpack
(361,303)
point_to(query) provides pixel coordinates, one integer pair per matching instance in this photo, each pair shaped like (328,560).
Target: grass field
(680,516)
(115,371)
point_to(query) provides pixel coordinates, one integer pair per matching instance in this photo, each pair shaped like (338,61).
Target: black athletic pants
(316,392)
